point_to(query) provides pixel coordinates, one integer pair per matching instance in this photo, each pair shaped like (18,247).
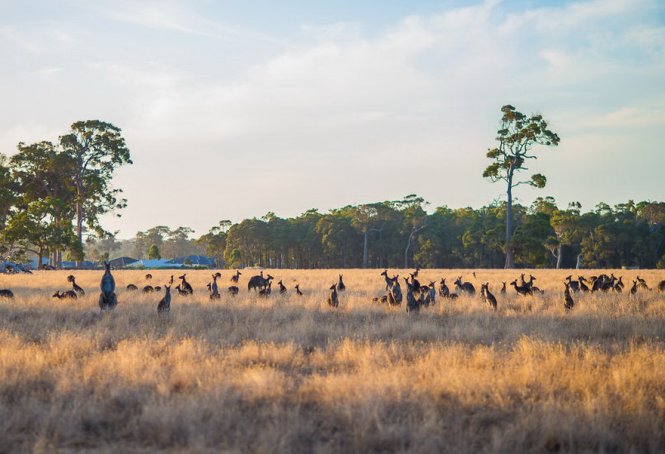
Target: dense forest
(405,233)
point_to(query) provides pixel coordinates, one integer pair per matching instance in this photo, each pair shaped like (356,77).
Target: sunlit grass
(291,374)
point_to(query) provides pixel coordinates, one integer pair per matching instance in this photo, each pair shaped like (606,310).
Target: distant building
(84,265)
(122,262)
(154,264)
(195,260)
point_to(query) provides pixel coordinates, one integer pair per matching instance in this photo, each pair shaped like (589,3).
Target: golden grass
(290,374)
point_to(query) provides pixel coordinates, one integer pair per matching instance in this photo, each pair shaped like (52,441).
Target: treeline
(404,233)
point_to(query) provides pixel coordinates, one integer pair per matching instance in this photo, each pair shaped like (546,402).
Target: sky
(234,109)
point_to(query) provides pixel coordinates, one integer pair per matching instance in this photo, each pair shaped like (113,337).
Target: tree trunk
(579,261)
(559,254)
(365,248)
(79,230)
(509,224)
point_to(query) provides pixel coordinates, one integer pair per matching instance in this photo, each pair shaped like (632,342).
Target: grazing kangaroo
(148,277)
(466,287)
(574,285)
(340,285)
(71,294)
(444,291)
(298,292)
(75,287)
(6,293)
(148,289)
(521,289)
(568,300)
(282,287)
(233,290)
(132,287)
(333,300)
(661,286)
(487,295)
(258,282)
(382,299)
(266,291)
(184,285)
(164,304)
(236,276)
(107,297)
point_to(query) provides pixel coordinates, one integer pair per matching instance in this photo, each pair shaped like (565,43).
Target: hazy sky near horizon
(233,109)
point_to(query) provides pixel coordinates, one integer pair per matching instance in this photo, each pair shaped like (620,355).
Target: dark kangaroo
(164,304)
(107,297)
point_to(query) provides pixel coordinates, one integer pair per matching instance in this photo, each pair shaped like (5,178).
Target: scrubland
(290,374)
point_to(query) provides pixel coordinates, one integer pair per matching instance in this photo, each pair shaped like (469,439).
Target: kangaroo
(503,288)
(382,299)
(164,304)
(633,289)
(75,287)
(466,287)
(171,280)
(642,283)
(298,292)
(184,285)
(340,285)
(266,291)
(430,297)
(258,282)
(107,297)
(582,283)
(282,287)
(71,294)
(236,276)
(412,304)
(661,286)
(568,300)
(132,287)
(148,289)
(214,289)
(180,291)
(148,277)
(444,291)
(233,290)
(487,295)
(395,295)
(618,286)
(389,280)
(333,300)
(521,289)
(574,285)
(6,293)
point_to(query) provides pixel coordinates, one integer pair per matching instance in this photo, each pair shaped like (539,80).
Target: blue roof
(195,260)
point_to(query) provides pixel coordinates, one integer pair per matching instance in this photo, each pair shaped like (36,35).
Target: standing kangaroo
(107,297)
(165,303)
(333,301)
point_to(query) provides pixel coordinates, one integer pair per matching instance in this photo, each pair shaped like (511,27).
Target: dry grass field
(290,374)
